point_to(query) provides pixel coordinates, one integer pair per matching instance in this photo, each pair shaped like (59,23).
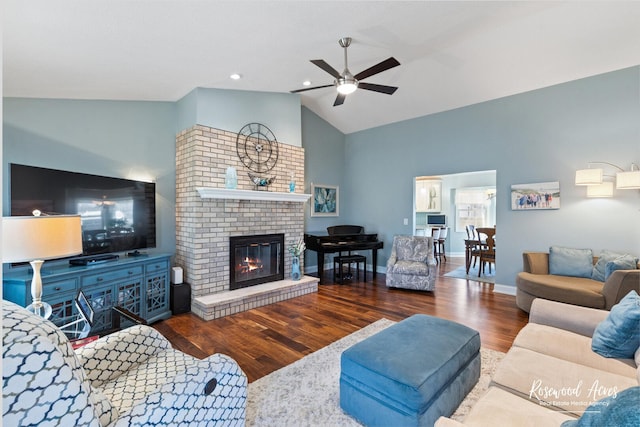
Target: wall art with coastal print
(536,196)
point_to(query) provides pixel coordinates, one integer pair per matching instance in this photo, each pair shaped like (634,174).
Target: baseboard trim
(504,289)
(369,267)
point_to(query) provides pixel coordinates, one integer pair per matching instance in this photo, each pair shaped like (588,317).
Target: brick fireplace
(207,216)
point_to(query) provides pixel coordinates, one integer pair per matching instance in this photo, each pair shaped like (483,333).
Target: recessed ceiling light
(235,76)
(306,83)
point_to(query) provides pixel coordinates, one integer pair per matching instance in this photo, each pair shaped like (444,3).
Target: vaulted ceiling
(452,53)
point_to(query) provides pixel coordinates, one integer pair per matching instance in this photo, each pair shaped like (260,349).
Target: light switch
(406,221)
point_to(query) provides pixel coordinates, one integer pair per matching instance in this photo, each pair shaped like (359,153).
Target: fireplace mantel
(225,193)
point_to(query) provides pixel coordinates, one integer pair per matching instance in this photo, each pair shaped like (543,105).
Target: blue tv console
(140,284)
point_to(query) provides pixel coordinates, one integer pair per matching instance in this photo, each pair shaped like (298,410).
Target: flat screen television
(117,214)
(436,220)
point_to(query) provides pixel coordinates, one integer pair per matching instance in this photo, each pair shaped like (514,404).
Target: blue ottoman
(410,373)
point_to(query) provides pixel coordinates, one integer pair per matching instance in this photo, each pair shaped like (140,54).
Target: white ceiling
(453,53)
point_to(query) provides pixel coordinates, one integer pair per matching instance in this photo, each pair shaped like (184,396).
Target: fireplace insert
(255,259)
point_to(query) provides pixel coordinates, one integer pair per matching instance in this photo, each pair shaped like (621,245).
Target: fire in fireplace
(255,259)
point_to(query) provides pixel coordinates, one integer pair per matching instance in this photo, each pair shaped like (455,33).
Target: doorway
(462,198)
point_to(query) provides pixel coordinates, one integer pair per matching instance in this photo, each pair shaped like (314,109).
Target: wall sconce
(600,190)
(628,180)
(596,187)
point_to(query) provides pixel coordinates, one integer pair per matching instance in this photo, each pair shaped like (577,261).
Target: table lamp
(36,239)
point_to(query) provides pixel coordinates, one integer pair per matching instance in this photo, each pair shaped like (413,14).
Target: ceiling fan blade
(326,67)
(310,88)
(339,99)
(389,90)
(378,68)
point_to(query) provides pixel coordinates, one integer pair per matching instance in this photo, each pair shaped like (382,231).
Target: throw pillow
(598,270)
(625,262)
(570,261)
(619,334)
(621,410)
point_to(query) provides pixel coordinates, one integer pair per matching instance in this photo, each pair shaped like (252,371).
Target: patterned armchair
(412,264)
(130,378)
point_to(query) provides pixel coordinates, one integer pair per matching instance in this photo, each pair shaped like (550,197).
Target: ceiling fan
(346,82)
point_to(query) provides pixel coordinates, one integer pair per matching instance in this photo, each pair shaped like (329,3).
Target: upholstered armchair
(130,378)
(411,264)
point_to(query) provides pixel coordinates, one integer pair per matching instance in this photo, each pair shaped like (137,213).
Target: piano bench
(341,261)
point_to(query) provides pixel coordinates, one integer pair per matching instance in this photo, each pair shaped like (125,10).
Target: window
(475,206)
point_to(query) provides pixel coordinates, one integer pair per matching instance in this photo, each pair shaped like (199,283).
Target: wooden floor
(265,339)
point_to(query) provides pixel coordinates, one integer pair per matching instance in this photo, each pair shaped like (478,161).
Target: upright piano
(342,238)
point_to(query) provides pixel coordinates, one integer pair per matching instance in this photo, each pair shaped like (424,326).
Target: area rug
(461,273)
(307,392)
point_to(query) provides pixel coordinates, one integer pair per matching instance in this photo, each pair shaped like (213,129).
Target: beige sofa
(548,375)
(536,282)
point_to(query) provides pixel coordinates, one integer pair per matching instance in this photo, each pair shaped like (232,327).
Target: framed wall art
(428,195)
(536,196)
(325,200)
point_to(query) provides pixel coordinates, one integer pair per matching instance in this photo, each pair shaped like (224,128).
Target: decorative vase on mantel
(231,178)
(296,274)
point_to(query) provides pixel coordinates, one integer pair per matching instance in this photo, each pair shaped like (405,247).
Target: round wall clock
(257,147)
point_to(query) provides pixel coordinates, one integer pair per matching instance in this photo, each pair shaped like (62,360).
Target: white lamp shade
(628,180)
(589,176)
(27,238)
(600,190)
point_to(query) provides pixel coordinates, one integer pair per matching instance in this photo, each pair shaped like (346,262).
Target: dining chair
(435,235)
(474,248)
(471,232)
(444,232)
(487,248)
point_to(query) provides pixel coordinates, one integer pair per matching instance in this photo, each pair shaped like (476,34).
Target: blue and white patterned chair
(130,378)
(411,264)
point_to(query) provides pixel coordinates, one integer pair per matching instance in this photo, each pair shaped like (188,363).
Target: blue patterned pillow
(619,334)
(625,262)
(598,269)
(570,261)
(621,410)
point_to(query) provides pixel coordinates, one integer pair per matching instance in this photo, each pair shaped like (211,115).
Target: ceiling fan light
(347,86)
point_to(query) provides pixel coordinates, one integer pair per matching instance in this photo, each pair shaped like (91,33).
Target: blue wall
(134,140)
(543,135)
(232,109)
(324,164)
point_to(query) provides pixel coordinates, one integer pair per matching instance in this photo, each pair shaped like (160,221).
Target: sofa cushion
(570,261)
(625,262)
(619,334)
(598,269)
(620,410)
(553,382)
(571,290)
(497,407)
(571,347)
